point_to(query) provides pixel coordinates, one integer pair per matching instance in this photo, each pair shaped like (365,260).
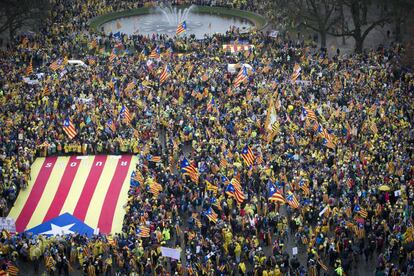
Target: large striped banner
(234,48)
(92,188)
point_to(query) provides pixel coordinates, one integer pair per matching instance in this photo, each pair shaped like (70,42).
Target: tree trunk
(323,38)
(11,32)
(398,30)
(359,41)
(408,58)
(343,25)
(357,34)
(359,45)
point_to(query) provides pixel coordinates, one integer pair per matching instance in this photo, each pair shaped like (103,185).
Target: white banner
(274,33)
(8,224)
(323,211)
(171,252)
(234,68)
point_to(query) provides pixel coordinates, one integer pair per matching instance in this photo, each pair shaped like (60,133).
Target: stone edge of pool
(258,21)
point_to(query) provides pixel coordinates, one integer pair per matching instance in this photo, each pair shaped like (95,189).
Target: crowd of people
(333,136)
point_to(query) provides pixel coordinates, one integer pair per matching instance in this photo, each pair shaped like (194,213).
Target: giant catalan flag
(91,188)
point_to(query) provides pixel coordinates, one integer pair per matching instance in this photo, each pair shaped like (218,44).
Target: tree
(317,15)
(364,18)
(408,58)
(15,13)
(400,11)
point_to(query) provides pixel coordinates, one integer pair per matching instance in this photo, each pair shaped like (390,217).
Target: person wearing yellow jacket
(237,252)
(339,270)
(35,254)
(277,271)
(242,268)
(166,236)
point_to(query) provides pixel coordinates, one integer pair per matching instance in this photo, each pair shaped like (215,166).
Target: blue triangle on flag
(63,224)
(117,35)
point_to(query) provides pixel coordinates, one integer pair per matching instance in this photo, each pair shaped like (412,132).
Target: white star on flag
(59,230)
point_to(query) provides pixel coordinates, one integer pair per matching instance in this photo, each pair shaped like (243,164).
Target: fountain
(175,15)
(164,19)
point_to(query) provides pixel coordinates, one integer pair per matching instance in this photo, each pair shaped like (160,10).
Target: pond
(199,24)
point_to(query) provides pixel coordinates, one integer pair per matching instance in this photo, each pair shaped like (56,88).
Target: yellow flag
(271,121)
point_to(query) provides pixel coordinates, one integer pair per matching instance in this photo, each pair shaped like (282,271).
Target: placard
(8,224)
(323,211)
(171,252)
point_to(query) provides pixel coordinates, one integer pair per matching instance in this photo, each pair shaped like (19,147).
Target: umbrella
(384,188)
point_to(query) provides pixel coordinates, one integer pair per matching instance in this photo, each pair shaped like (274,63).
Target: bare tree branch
(17,12)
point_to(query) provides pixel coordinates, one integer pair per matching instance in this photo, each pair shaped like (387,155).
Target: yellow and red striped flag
(29,69)
(138,177)
(242,76)
(328,143)
(112,56)
(156,159)
(248,156)
(309,114)
(211,187)
(303,185)
(155,53)
(143,232)
(155,188)
(181,28)
(55,65)
(292,200)
(211,215)
(69,128)
(12,270)
(296,73)
(196,220)
(361,211)
(223,163)
(46,91)
(166,73)
(125,115)
(130,86)
(234,189)
(93,44)
(91,61)
(94,189)
(275,195)
(190,169)
(65,61)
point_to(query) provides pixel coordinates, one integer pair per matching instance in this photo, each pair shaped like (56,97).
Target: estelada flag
(91,188)
(181,28)
(69,128)
(29,69)
(241,77)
